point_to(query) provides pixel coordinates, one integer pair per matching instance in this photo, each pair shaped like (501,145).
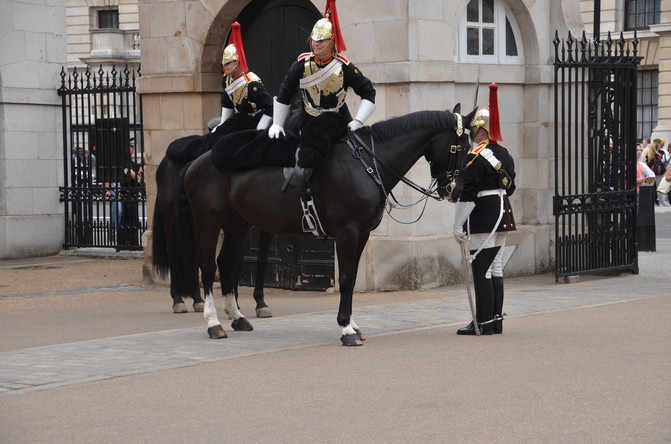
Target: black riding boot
(484,294)
(497,282)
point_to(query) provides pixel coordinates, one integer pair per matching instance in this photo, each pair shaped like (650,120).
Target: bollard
(645,231)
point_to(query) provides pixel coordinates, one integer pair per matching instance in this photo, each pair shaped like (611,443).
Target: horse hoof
(359,334)
(199,307)
(179,308)
(264,312)
(242,324)
(216,332)
(350,340)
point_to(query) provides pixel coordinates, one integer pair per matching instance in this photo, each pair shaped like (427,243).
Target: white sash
(233,87)
(319,76)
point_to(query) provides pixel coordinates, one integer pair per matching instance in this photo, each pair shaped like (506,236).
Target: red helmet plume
(494,125)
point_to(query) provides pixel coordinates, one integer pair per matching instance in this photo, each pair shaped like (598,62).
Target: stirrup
(310,220)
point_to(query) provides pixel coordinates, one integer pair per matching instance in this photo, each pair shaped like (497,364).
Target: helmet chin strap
(325,48)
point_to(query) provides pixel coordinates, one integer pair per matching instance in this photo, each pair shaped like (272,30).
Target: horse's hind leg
(262,309)
(229,260)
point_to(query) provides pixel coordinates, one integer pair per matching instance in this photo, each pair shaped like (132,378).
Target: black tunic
(352,78)
(256,94)
(481,176)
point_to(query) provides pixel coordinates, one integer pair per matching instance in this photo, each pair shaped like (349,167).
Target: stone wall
(32,52)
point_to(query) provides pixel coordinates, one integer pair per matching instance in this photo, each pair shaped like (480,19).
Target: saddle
(245,150)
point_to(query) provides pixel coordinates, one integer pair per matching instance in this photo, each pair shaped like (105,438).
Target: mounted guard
(323,77)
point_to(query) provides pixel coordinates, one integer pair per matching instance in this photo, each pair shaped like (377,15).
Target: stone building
(420,54)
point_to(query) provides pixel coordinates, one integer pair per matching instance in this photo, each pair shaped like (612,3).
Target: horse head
(449,160)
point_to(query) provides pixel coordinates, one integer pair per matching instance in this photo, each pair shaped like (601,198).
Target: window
(646,103)
(640,14)
(108,19)
(488,34)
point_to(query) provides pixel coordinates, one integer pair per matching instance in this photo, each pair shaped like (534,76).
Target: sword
(467,273)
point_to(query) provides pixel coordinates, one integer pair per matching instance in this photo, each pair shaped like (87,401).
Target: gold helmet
(230,54)
(480,120)
(322,30)
(487,117)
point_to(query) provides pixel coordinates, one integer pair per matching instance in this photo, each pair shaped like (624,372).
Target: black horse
(179,153)
(350,204)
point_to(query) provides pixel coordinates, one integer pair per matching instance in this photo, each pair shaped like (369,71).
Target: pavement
(87,354)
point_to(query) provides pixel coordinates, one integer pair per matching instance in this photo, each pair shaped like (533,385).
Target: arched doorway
(274,33)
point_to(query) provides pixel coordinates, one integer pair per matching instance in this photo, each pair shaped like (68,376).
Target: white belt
(499,192)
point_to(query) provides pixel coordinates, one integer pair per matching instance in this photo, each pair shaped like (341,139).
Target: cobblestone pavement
(52,366)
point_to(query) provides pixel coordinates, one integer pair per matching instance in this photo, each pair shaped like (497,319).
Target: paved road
(88,355)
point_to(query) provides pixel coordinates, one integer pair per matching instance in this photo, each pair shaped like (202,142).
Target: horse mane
(391,128)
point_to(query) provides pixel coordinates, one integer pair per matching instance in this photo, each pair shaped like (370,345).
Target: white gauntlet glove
(461,213)
(280,112)
(366,108)
(225,114)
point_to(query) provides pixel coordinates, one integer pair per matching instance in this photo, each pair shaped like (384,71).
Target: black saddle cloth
(186,149)
(245,150)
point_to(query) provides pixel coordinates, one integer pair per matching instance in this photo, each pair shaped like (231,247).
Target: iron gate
(595,155)
(104,200)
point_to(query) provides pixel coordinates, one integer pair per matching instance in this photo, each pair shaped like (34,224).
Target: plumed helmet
(230,55)
(322,30)
(481,119)
(234,51)
(487,117)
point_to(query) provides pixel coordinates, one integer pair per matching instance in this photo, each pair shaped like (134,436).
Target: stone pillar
(180,84)
(32,52)
(663,29)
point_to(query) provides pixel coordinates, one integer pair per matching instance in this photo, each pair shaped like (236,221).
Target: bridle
(448,177)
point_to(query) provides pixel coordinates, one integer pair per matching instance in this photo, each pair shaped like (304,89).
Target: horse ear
(467,120)
(457,108)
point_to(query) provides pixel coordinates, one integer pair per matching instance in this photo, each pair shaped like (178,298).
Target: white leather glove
(264,122)
(280,113)
(461,213)
(366,108)
(225,114)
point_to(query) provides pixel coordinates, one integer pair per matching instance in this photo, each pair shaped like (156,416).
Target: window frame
(501,13)
(653,105)
(628,18)
(100,12)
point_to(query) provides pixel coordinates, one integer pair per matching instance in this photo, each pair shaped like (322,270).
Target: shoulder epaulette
(342,58)
(251,77)
(304,55)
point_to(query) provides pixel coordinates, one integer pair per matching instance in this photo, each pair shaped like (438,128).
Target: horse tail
(183,261)
(159,245)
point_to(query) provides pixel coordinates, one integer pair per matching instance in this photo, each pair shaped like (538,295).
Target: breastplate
(325,95)
(241,95)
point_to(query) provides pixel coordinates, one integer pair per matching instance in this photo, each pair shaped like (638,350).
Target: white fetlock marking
(349,330)
(210,313)
(231,307)
(353,324)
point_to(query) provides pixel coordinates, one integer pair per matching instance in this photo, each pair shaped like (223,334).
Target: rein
(357,145)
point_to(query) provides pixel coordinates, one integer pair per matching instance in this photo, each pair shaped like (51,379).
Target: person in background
(132,184)
(484,214)
(643,173)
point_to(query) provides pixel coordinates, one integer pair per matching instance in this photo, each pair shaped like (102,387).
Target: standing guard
(244,95)
(323,77)
(484,216)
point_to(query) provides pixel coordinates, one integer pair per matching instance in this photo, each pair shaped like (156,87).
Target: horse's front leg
(262,309)
(349,252)
(229,260)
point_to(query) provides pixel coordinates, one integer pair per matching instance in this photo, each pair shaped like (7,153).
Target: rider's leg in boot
(484,293)
(497,282)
